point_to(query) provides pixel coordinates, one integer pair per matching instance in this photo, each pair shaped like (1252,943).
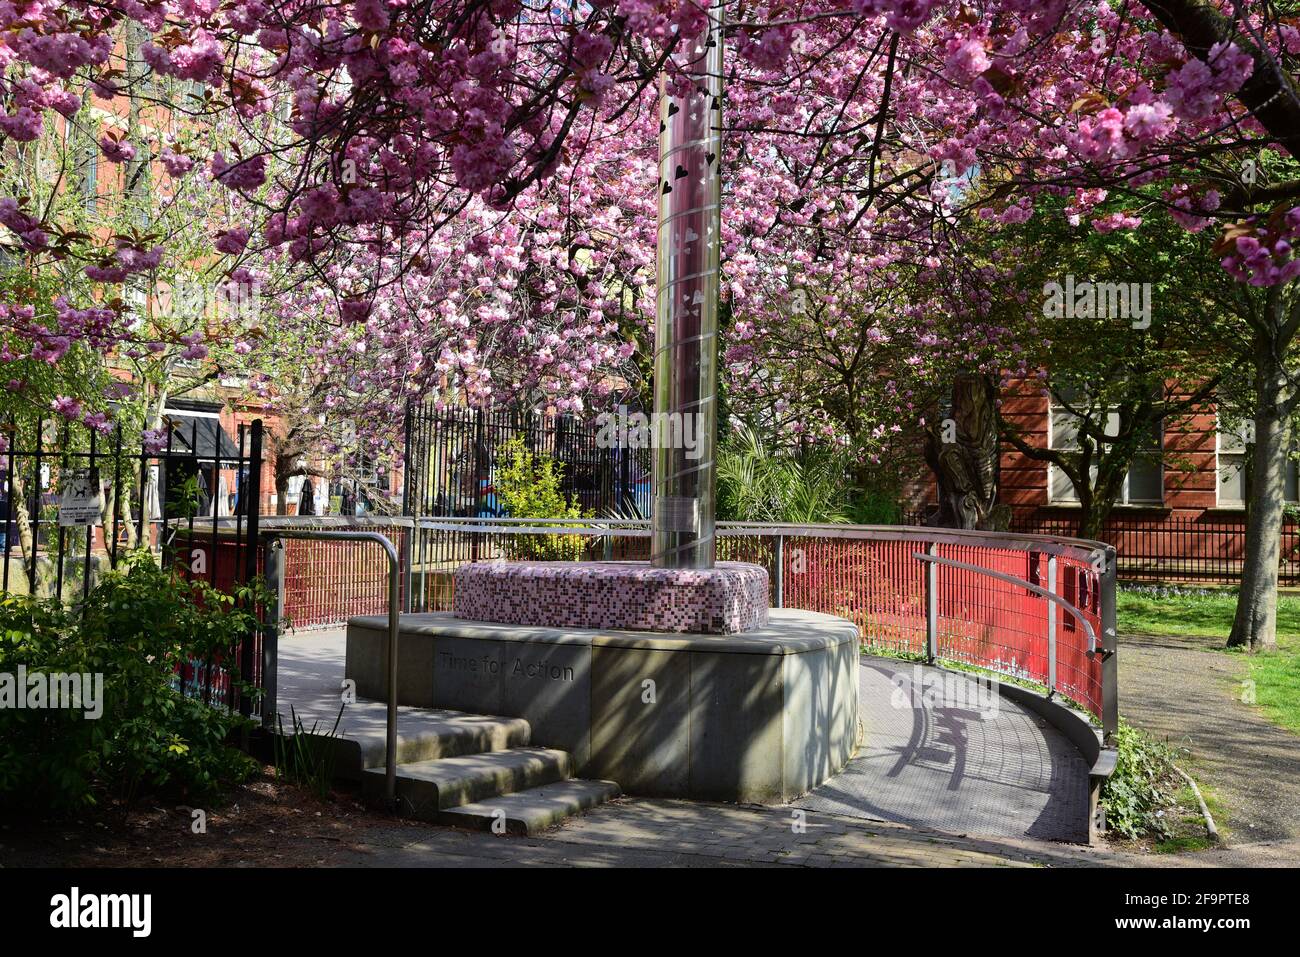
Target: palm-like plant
(756,484)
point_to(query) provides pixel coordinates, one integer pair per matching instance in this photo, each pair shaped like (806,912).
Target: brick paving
(963,762)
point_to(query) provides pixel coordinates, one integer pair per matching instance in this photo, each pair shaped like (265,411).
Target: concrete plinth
(760,717)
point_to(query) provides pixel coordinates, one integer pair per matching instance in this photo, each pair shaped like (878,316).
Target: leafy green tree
(1154,342)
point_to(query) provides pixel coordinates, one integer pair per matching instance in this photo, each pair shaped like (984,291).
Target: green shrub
(307,756)
(756,484)
(872,507)
(1143,786)
(133,629)
(528,486)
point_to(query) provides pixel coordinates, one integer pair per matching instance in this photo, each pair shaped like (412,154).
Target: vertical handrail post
(390,756)
(932,605)
(271,630)
(1051,626)
(778,583)
(254,505)
(407,566)
(1110,647)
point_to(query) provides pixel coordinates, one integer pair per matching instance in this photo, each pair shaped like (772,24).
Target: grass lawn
(1205,613)
(1277,682)
(1208,614)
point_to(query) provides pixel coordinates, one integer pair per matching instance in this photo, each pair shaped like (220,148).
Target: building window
(1144,483)
(1232,454)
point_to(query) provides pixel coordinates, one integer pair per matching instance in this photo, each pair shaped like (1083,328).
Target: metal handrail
(1109,703)
(1028,586)
(632,527)
(394,593)
(501,526)
(1023,541)
(1099,556)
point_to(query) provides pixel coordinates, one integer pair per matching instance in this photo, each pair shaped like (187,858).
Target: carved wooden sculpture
(962,450)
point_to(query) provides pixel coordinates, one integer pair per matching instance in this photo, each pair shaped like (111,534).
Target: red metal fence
(872,577)
(869,575)
(329,582)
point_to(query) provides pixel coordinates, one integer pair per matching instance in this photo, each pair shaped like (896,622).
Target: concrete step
(426,787)
(423,734)
(532,810)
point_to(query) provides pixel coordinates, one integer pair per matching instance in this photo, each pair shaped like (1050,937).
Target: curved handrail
(1019,583)
(1100,631)
(903,533)
(631,527)
(394,565)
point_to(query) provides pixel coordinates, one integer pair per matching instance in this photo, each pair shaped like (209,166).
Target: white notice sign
(82,501)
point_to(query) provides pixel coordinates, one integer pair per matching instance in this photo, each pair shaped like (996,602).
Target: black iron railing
(74,502)
(452,454)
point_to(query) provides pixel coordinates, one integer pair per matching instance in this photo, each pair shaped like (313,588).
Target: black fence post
(274,568)
(35,511)
(7,490)
(254,506)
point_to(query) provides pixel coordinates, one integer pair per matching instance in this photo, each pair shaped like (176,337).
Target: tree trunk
(1090,525)
(26,533)
(1096,503)
(150,475)
(281,492)
(1255,624)
(18,502)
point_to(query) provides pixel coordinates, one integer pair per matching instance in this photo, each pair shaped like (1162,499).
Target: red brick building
(1181,513)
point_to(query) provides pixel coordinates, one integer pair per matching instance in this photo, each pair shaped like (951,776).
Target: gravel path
(1188,692)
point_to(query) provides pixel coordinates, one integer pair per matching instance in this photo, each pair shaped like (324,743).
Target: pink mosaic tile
(727,599)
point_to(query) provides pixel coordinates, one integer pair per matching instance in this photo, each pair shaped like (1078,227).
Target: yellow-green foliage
(528,486)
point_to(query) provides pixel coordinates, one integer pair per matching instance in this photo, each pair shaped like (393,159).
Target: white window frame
(1071,496)
(1291,485)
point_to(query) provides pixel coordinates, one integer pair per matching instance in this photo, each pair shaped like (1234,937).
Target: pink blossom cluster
(473,217)
(1261,251)
(125,261)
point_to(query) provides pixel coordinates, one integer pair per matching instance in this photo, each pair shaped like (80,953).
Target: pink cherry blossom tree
(376,139)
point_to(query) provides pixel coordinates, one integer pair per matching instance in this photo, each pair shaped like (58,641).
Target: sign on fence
(82,502)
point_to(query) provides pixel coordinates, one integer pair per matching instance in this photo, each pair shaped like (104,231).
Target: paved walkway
(654,833)
(1187,692)
(961,759)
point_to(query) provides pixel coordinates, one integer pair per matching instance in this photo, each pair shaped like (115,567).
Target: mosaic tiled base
(727,599)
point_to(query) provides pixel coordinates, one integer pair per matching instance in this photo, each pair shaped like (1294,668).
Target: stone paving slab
(961,763)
